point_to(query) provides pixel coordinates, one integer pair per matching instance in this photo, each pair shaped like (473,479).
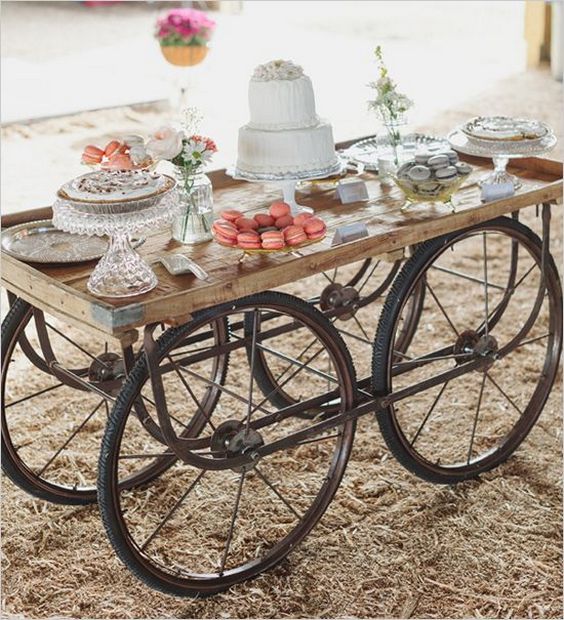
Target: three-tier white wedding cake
(284,136)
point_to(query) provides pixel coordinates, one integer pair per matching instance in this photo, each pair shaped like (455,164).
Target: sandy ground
(390,545)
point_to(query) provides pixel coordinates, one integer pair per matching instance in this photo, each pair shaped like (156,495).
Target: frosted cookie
(446,173)
(419,173)
(438,161)
(463,168)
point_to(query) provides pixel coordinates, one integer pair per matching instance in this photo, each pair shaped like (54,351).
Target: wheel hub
(107,371)
(343,299)
(231,438)
(470,344)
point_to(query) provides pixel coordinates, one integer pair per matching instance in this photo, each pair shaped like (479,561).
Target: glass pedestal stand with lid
(121,272)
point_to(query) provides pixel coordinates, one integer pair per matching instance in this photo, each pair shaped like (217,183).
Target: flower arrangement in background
(390,104)
(181,27)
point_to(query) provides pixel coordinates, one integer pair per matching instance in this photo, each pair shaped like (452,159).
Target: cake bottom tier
(286,152)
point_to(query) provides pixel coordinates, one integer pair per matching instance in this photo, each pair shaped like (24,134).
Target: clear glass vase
(395,128)
(193,225)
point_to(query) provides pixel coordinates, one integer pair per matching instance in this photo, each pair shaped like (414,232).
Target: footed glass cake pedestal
(121,272)
(500,152)
(288,182)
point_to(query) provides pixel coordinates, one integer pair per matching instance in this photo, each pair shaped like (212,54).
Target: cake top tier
(277,70)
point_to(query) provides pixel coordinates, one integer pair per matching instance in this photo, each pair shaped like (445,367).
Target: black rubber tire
(381,366)
(12,465)
(116,531)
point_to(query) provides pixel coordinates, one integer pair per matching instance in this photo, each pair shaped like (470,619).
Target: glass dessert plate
(501,151)
(121,272)
(366,152)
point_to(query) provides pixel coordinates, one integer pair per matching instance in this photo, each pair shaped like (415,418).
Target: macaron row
(274,230)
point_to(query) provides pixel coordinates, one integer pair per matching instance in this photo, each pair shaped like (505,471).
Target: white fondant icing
(296,150)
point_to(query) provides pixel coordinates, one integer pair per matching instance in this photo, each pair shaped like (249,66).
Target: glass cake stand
(121,272)
(288,181)
(501,151)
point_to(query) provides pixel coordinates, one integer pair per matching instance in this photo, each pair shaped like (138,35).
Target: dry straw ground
(390,544)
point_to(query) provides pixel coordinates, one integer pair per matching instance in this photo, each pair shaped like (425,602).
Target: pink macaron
(248,240)
(316,235)
(231,215)
(225,229)
(301,219)
(314,225)
(279,209)
(264,220)
(246,223)
(282,222)
(294,235)
(273,240)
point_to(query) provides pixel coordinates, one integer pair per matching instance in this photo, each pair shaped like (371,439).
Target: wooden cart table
(248,399)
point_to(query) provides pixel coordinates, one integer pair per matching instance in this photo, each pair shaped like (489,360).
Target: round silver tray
(459,141)
(41,242)
(289,176)
(366,152)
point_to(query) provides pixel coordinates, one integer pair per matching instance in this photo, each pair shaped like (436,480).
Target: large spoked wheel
(210,521)
(52,428)
(350,301)
(487,380)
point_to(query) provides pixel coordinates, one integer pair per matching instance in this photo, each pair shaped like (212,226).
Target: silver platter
(367,152)
(41,242)
(459,141)
(290,176)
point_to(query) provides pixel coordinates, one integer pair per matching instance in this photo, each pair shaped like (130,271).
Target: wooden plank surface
(62,289)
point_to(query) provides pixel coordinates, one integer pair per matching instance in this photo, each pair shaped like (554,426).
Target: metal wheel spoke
(537,338)
(146,455)
(467,276)
(65,337)
(288,379)
(192,395)
(44,391)
(476,419)
(70,438)
(252,372)
(151,402)
(276,492)
(355,318)
(368,277)
(351,335)
(486,301)
(318,439)
(223,389)
(441,307)
(232,524)
(169,514)
(428,414)
(502,391)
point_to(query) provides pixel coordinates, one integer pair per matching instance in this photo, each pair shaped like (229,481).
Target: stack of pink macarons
(274,230)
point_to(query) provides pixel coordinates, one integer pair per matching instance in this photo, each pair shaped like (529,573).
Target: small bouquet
(189,153)
(389,103)
(182,27)
(125,153)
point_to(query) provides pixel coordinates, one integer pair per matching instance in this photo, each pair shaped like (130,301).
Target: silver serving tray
(366,152)
(41,242)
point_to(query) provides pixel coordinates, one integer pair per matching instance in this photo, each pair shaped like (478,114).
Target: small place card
(497,191)
(352,191)
(349,232)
